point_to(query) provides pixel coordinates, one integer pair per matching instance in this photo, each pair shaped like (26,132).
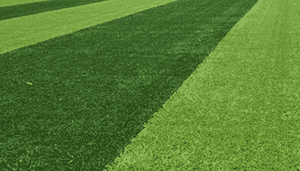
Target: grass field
(168,88)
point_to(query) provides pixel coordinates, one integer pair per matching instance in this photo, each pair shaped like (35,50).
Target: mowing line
(232,109)
(29,30)
(18,2)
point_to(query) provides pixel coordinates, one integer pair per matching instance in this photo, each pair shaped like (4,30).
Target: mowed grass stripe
(239,110)
(14,9)
(76,101)
(18,2)
(29,30)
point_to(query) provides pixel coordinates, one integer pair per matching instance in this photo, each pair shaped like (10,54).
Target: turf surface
(239,110)
(13,10)
(76,101)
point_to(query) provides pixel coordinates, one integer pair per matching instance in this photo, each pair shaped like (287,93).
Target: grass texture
(238,110)
(21,8)
(18,2)
(74,102)
(31,29)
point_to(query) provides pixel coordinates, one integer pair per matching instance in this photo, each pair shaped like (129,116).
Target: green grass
(238,110)
(29,30)
(75,102)
(10,9)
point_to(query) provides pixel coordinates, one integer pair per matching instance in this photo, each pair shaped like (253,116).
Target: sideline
(29,30)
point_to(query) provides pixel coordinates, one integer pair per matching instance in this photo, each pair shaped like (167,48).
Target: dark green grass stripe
(108,79)
(20,10)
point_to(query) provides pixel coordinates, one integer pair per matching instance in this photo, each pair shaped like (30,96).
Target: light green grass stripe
(246,90)
(4,3)
(29,30)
